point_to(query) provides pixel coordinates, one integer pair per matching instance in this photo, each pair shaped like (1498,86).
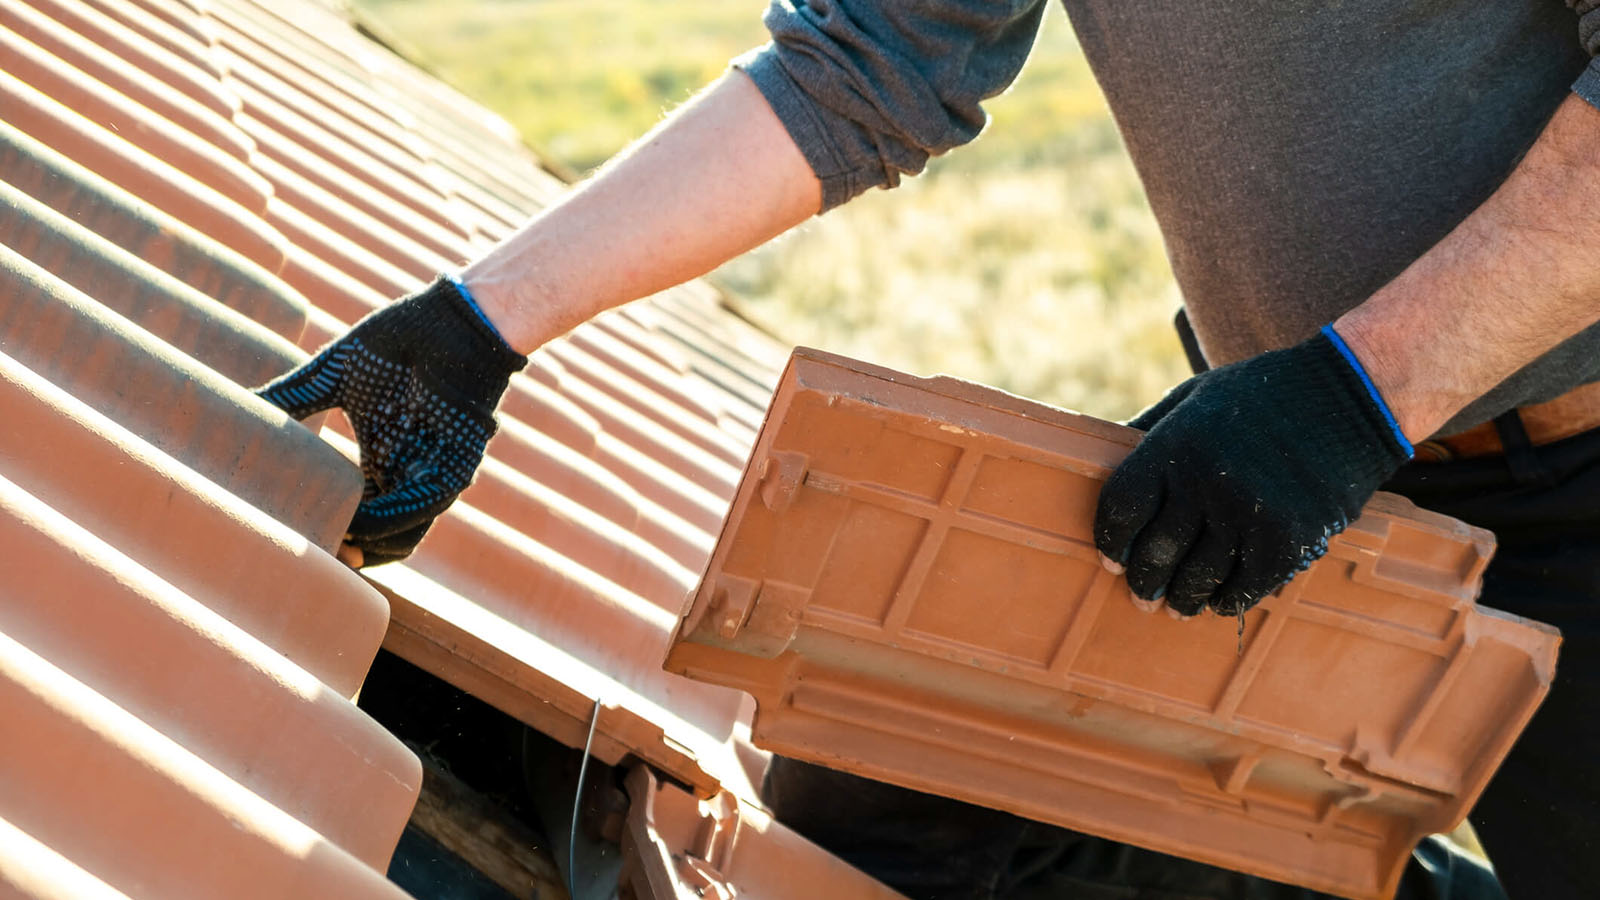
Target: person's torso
(1298,155)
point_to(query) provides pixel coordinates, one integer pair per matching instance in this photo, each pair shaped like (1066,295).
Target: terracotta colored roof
(193,193)
(908,586)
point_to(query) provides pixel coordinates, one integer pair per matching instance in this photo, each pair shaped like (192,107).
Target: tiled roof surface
(194,193)
(908,586)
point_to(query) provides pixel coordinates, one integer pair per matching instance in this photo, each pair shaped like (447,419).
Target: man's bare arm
(1515,278)
(718,177)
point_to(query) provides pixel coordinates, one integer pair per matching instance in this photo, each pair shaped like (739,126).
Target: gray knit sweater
(1298,154)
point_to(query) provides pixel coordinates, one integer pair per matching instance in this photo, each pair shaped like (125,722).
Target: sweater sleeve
(870,89)
(1588,84)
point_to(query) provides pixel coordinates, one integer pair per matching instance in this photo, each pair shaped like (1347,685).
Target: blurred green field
(1027,260)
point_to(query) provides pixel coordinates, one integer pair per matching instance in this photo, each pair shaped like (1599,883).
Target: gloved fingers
(1259,570)
(391,548)
(402,508)
(309,389)
(1147,419)
(1161,545)
(1203,570)
(1129,499)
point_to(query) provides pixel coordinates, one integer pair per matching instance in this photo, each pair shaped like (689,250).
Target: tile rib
(193,257)
(246,446)
(245,565)
(115,627)
(230,343)
(197,834)
(142,174)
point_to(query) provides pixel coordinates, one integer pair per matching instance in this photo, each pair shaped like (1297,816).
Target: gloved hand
(419,381)
(1245,473)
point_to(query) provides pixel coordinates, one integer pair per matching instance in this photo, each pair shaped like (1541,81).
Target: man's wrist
(503,301)
(477,310)
(1390,359)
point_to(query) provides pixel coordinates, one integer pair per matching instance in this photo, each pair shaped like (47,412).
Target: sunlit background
(1027,260)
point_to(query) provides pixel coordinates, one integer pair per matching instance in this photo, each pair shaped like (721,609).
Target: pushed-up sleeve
(1588,84)
(870,89)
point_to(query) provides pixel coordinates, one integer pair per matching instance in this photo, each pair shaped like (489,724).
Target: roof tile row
(174,402)
(174,246)
(140,811)
(188,673)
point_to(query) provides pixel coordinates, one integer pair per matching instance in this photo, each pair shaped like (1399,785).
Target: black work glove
(419,381)
(1245,473)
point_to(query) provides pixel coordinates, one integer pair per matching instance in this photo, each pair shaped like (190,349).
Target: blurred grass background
(1027,260)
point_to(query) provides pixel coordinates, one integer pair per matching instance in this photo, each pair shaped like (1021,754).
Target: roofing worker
(1383,215)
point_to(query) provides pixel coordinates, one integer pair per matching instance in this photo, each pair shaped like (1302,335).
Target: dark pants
(1539,818)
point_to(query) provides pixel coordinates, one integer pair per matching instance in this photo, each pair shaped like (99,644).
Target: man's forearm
(718,177)
(1515,278)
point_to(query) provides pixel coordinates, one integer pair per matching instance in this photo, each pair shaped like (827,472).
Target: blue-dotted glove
(1245,473)
(419,381)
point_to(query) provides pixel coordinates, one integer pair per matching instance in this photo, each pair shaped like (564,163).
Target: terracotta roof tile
(174,402)
(250,568)
(583,480)
(128,32)
(137,641)
(180,27)
(102,104)
(330,245)
(165,822)
(908,586)
(30,870)
(140,72)
(226,341)
(143,174)
(652,395)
